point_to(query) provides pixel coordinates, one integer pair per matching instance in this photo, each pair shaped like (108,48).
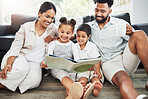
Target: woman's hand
(5,70)
(43,65)
(48,39)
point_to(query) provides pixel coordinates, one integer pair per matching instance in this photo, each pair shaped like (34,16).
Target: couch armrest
(4,30)
(141,26)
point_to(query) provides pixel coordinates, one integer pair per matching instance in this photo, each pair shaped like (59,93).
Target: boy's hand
(97,72)
(43,65)
(92,69)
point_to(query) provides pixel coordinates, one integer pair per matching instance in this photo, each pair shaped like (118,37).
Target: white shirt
(38,52)
(109,43)
(90,51)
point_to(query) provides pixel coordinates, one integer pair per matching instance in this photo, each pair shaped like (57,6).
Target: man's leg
(138,44)
(123,81)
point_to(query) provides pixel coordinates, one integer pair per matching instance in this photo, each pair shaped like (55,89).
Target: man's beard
(103,20)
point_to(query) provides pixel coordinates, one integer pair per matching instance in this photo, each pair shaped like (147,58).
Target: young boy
(87,49)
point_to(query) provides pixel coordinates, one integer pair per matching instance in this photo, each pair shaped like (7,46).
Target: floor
(51,88)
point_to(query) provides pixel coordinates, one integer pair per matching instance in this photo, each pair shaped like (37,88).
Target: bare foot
(97,88)
(87,90)
(2,86)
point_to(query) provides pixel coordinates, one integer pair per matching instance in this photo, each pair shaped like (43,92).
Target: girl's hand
(5,70)
(43,65)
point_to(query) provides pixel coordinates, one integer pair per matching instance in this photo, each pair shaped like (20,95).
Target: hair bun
(73,22)
(63,20)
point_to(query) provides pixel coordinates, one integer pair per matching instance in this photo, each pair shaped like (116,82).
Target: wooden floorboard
(51,88)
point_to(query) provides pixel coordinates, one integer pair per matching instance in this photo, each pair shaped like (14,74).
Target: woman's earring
(38,17)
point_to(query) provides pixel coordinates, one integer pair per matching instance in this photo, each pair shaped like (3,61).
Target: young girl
(63,47)
(88,49)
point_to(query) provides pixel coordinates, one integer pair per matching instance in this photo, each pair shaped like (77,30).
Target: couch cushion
(4,30)
(5,42)
(141,26)
(17,20)
(124,16)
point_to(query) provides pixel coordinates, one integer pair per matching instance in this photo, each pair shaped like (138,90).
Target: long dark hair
(46,6)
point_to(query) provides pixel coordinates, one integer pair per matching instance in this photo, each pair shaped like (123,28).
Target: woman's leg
(17,74)
(33,77)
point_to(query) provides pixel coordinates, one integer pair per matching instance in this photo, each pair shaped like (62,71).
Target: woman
(21,64)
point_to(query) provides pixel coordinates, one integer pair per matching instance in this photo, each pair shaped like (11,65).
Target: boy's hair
(47,6)
(109,2)
(63,20)
(85,28)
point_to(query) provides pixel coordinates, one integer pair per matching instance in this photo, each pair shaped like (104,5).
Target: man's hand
(128,29)
(5,70)
(43,65)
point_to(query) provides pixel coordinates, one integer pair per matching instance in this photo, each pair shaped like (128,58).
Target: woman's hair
(85,28)
(109,2)
(47,6)
(63,20)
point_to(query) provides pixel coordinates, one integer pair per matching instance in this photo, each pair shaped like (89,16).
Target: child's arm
(97,70)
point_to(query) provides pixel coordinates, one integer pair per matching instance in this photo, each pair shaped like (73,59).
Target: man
(121,53)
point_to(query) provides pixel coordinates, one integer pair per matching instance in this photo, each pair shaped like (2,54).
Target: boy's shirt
(90,51)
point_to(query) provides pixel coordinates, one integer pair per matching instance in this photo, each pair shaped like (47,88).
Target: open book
(82,65)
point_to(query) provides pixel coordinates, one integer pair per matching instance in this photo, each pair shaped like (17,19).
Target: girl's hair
(85,28)
(63,20)
(47,6)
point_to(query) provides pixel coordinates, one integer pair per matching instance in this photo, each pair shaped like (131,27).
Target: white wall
(140,11)
(0,11)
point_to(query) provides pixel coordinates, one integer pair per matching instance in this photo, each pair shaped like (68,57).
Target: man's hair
(109,2)
(85,28)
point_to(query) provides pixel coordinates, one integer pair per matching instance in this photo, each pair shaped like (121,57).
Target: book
(82,65)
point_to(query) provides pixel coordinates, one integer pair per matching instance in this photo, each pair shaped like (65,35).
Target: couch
(7,32)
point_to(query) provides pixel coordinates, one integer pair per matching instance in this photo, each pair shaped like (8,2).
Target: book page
(58,63)
(85,65)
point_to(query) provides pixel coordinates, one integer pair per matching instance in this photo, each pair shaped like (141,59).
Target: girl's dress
(65,50)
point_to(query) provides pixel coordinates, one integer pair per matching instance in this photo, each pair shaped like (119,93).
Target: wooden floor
(51,88)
